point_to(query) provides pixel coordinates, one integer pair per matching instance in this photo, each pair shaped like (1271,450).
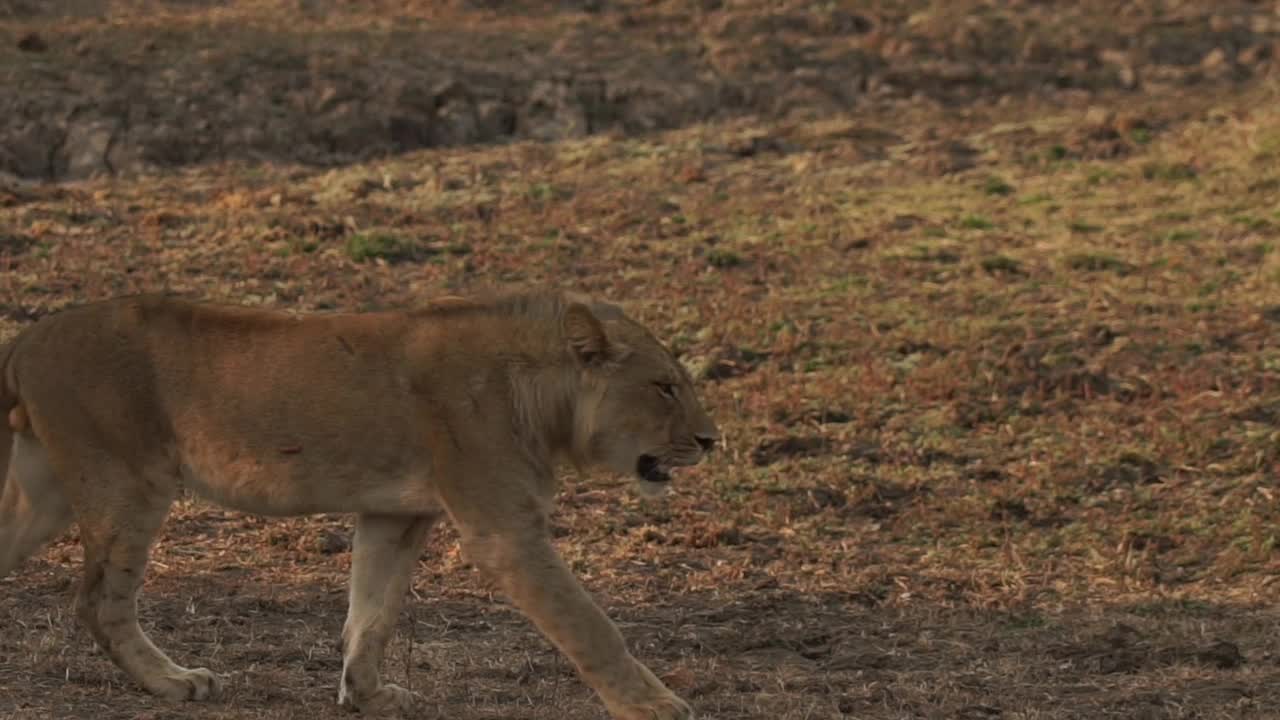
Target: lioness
(461,407)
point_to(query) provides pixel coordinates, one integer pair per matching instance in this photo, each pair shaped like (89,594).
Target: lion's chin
(651,470)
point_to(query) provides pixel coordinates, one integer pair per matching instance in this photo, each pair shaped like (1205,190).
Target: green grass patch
(1100,177)
(1026,621)
(368,246)
(1169,172)
(1181,236)
(724,259)
(1095,262)
(1081,227)
(1172,216)
(547,192)
(1268,145)
(1252,222)
(1002,265)
(1173,608)
(997,186)
(976,222)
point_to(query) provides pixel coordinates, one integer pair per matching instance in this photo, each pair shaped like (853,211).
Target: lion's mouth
(650,470)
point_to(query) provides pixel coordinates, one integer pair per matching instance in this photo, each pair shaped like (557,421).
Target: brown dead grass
(1000,393)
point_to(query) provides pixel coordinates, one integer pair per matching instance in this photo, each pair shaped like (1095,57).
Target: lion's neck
(541,382)
(542,400)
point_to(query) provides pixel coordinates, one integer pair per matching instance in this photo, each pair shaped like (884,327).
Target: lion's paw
(193,684)
(668,707)
(387,700)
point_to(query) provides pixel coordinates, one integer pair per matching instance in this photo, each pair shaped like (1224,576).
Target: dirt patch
(815,416)
(805,501)
(333,84)
(771,451)
(1128,469)
(1124,649)
(729,362)
(883,499)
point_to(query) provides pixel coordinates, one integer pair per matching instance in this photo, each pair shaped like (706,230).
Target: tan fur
(460,408)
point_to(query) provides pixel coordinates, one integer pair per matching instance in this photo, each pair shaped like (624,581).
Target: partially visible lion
(463,407)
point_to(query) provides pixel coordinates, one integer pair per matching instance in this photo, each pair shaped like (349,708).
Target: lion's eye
(667,389)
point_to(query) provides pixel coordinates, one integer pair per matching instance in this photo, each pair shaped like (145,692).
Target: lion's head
(637,412)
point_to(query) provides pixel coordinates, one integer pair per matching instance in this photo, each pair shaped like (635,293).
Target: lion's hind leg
(119,518)
(32,506)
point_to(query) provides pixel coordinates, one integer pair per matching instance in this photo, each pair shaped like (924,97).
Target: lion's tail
(9,491)
(11,498)
(8,406)
(32,509)
(32,506)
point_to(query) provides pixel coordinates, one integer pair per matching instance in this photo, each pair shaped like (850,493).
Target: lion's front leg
(382,558)
(528,569)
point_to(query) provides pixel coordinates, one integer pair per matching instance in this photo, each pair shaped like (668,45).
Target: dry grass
(1000,394)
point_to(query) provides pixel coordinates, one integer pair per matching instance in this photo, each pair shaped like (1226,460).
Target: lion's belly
(295,482)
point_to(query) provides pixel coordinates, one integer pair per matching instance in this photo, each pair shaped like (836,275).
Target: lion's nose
(707,442)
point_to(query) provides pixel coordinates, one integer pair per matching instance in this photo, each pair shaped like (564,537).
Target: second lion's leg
(383,555)
(117,528)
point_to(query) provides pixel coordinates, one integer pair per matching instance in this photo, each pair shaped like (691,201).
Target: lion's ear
(586,334)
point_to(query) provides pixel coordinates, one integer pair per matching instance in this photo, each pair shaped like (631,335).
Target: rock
(332,542)
(411,131)
(1254,55)
(1111,56)
(85,151)
(1215,60)
(1221,654)
(770,451)
(348,128)
(551,112)
(32,42)
(728,362)
(842,22)
(1122,63)
(1037,50)
(692,174)
(349,100)
(327,97)
(168,145)
(456,124)
(26,151)
(1099,117)
(456,120)
(1127,76)
(12,183)
(495,119)
(947,157)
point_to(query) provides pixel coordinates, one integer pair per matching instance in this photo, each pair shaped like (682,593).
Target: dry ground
(997,358)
